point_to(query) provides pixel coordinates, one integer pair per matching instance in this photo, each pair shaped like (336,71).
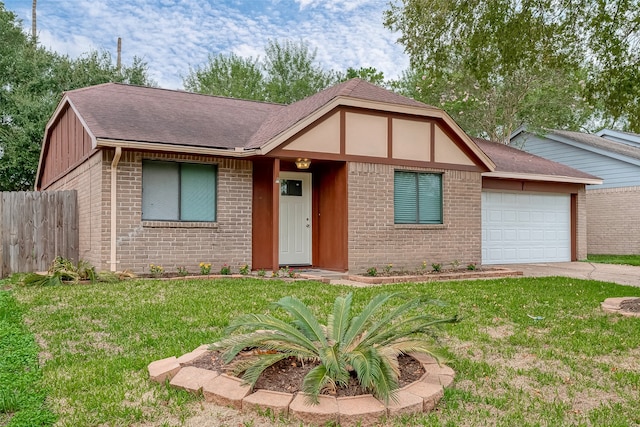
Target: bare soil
(631,305)
(288,374)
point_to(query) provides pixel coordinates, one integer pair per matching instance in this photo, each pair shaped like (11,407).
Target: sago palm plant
(366,346)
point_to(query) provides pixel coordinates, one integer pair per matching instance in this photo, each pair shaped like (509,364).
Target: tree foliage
(287,73)
(517,62)
(228,75)
(291,72)
(369,74)
(32,80)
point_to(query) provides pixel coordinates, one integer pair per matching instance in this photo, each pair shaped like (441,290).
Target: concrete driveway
(621,274)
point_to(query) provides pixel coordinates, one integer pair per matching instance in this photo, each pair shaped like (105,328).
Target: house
(612,221)
(352,177)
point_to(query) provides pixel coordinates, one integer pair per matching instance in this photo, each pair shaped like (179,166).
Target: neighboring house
(613,223)
(352,177)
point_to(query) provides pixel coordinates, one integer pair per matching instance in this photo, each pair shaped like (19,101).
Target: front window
(174,191)
(417,198)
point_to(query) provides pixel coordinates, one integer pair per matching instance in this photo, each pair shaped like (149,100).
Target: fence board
(35,227)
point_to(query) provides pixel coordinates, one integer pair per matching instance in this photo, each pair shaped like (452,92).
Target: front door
(295,218)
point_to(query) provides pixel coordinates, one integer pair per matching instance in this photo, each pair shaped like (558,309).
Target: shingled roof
(354,88)
(143,114)
(599,142)
(509,160)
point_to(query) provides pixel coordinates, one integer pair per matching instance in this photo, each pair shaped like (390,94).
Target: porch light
(303,163)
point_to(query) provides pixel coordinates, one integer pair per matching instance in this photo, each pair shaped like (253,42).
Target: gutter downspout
(114,198)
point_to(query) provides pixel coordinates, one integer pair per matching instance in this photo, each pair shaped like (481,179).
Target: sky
(174,35)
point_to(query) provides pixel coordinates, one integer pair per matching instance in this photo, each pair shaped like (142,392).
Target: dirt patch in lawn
(288,374)
(631,305)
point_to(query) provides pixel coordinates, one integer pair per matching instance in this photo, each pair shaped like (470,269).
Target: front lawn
(615,259)
(574,365)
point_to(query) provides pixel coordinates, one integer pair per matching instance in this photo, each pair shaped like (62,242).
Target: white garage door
(525,227)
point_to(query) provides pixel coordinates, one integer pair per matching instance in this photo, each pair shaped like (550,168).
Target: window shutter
(160,190)
(198,192)
(405,198)
(430,198)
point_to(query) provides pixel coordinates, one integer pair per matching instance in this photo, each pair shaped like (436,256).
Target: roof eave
(175,148)
(543,177)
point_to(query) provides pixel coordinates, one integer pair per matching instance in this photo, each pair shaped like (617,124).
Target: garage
(525,227)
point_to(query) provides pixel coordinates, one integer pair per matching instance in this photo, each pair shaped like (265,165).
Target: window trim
(153,222)
(417,223)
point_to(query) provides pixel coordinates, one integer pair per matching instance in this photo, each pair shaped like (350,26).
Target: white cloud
(171,35)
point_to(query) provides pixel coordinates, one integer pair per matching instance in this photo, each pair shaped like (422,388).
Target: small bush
(471,267)
(436,267)
(225,270)
(372,271)
(182,271)
(156,270)
(245,270)
(205,268)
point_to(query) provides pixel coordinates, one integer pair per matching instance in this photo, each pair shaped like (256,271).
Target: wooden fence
(35,227)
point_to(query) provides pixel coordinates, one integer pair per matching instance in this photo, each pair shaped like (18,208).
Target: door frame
(307,188)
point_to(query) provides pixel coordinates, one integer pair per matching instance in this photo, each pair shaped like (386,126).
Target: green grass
(22,394)
(615,259)
(576,366)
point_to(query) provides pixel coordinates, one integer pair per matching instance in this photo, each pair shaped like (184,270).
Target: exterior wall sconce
(303,163)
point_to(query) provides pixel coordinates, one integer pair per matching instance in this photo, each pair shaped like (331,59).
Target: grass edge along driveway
(529,351)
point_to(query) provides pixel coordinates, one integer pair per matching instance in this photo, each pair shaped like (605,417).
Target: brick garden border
(453,275)
(612,305)
(221,389)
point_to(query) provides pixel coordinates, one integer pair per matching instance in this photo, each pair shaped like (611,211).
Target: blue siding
(615,173)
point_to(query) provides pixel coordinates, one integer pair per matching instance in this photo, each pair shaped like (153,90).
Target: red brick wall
(613,221)
(374,239)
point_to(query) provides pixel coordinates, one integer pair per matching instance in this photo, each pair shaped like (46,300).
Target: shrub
(387,268)
(262,273)
(182,271)
(205,268)
(436,267)
(365,346)
(225,270)
(244,270)
(471,267)
(156,270)
(372,271)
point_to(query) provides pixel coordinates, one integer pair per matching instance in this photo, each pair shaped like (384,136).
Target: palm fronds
(366,345)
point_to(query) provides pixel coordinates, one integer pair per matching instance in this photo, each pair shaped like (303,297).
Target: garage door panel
(525,227)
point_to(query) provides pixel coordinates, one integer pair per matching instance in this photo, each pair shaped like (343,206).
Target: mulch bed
(287,375)
(631,305)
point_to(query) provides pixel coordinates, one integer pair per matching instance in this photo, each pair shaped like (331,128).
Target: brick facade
(613,221)
(374,239)
(169,244)
(87,179)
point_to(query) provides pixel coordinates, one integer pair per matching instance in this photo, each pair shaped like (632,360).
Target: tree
(291,74)
(288,73)
(369,74)
(32,80)
(228,75)
(612,32)
(494,65)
